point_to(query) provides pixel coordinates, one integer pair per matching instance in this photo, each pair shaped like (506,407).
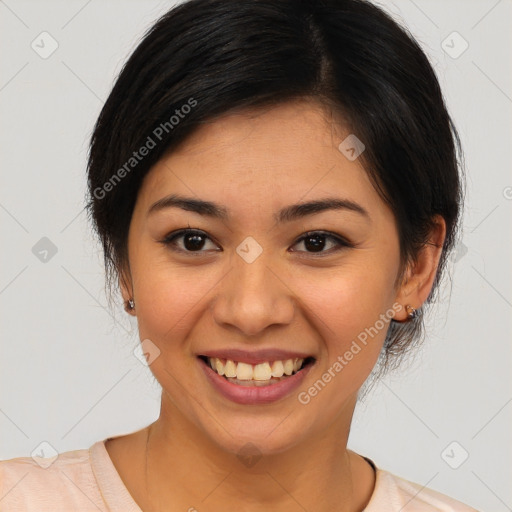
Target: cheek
(350,305)
(352,313)
(168,298)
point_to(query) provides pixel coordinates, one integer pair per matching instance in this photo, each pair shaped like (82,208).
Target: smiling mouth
(262,374)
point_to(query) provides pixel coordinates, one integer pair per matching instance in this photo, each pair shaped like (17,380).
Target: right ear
(126,287)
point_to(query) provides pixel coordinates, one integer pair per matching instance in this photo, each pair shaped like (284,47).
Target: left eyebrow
(296,211)
(287,214)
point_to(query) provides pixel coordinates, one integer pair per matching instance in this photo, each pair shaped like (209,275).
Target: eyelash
(169,241)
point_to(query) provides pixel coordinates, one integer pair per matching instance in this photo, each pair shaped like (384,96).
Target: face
(259,280)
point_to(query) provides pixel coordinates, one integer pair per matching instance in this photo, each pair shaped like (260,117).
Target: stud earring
(130,305)
(412,313)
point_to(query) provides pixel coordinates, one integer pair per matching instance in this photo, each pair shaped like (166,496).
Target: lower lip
(253,395)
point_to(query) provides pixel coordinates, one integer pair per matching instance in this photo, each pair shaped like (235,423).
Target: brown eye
(317,241)
(193,242)
(189,241)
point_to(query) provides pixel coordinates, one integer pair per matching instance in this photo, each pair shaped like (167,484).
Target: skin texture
(255,163)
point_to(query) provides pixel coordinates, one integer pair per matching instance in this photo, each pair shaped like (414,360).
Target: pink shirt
(87,481)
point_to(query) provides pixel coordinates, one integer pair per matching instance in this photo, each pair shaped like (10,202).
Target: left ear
(420,274)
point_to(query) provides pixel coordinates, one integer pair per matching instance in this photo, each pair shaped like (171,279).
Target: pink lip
(254,395)
(254,357)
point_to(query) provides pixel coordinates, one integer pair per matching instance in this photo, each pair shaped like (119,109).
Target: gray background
(68,374)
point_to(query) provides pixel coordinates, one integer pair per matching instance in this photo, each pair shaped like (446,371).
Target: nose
(252,297)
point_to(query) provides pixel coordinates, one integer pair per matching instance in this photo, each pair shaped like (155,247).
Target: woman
(276,188)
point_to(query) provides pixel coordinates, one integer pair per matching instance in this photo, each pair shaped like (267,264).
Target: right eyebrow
(190,204)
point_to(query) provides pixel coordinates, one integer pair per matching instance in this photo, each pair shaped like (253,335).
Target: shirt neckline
(117,498)
(112,488)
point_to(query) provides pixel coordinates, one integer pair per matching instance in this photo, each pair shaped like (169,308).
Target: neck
(185,469)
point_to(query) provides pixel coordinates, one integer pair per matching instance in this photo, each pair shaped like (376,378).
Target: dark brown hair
(216,56)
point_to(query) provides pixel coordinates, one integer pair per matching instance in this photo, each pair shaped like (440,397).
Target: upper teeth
(262,371)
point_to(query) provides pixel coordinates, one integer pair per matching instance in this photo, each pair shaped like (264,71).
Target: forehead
(264,158)
(307,115)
